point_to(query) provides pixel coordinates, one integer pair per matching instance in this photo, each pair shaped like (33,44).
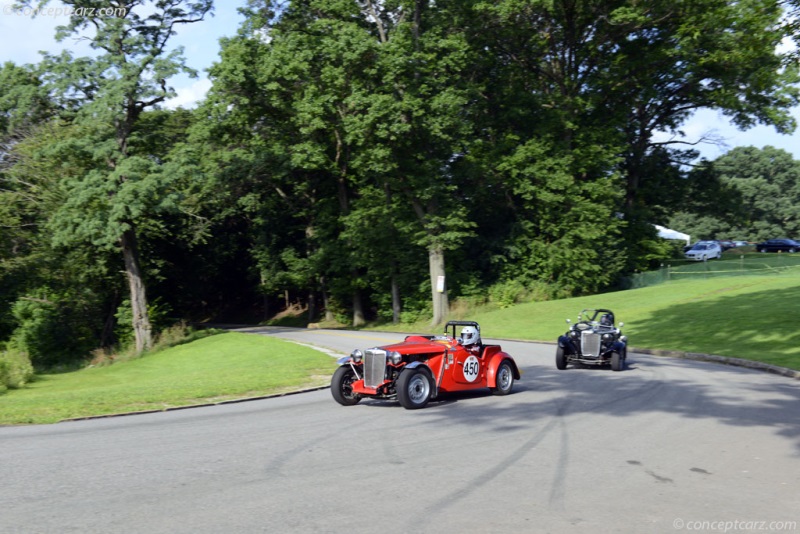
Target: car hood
(419,345)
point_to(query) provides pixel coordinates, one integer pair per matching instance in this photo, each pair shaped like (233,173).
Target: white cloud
(714,125)
(22,37)
(189,95)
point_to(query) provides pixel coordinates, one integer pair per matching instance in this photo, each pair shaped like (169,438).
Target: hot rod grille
(374,367)
(590,343)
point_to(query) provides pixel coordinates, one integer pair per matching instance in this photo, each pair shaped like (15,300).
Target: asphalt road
(665,446)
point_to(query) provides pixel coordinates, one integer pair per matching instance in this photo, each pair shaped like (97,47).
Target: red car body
(422,367)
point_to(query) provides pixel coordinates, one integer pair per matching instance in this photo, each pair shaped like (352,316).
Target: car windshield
(700,246)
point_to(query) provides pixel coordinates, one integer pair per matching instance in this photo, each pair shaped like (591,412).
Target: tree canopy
(365,160)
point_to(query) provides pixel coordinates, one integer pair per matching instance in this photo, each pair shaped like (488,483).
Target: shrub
(157,313)
(51,330)
(506,294)
(16,369)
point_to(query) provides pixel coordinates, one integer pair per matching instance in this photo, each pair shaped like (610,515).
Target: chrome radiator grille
(374,367)
(590,343)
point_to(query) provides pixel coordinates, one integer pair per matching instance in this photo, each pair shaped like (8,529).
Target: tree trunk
(326,300)
(440,304)
(107,335)
(358,309)
(312,305)
(397,305)
(142,331)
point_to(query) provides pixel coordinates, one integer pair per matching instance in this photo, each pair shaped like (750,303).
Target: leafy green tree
(123,188)
(23,105)
(758,198)
(337,110)
(610,74)
(417,125)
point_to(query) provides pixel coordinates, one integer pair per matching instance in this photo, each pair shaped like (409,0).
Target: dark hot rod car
(421,367)
(593,340)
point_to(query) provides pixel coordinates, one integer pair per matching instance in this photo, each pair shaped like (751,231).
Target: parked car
(704,250)
(422,367)
(593,340)
(778,245)
(726,244)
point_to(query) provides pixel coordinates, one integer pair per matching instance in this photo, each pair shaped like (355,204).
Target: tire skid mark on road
(454,497)
(558,489)
(276,464)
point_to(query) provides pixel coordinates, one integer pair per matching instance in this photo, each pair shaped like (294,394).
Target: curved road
(665,446)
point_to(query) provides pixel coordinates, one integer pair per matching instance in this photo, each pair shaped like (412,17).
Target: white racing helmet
(469,336)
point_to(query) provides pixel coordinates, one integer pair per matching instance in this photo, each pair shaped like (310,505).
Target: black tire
(762,250)
(792,250)
(504,379)
(414,389)
(341,386)
(561,359)
(617,361)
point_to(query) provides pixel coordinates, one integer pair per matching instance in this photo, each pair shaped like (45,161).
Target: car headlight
(574,334)
(608,337)
(395,357)
(357,355)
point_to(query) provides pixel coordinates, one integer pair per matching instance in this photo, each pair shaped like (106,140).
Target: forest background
(373,161)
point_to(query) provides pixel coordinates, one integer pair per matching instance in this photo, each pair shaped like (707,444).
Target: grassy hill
(213,369)
(751,317)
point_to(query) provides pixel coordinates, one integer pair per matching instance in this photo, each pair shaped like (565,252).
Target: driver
(471,340)
(607,319)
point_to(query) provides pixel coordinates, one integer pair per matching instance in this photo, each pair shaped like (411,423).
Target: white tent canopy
(666,233)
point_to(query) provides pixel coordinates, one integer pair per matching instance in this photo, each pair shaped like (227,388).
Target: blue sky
(21,38)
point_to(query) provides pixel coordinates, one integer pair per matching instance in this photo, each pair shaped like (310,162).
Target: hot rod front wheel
(342,386)
(617,361)
(561,359)
(414,389)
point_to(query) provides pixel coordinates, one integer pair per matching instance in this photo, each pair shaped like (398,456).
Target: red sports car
(421,367)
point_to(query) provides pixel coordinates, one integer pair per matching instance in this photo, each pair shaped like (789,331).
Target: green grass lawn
(751,317)
(212,369)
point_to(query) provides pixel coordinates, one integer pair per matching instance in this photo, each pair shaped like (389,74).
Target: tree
(746,194)
(418,126)
(609,74)
(123,188)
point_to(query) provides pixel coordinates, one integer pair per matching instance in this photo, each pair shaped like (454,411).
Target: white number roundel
(471,368)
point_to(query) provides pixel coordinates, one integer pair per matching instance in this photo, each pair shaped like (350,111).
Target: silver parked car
(704,250)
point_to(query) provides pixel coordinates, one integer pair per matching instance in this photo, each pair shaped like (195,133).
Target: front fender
(566,343)
(494,364)
(434,381)
(618,346)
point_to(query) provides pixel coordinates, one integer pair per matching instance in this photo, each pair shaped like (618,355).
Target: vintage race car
(593,340)
(422,367)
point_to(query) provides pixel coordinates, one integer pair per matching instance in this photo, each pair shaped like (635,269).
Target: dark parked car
(778,245)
